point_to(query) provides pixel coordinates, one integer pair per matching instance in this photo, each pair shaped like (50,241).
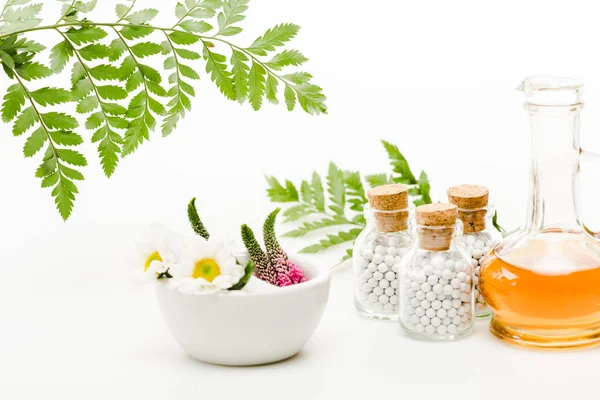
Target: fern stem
(186,15)
(127,12)
(63,15)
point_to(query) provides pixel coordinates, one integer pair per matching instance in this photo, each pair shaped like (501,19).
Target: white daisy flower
(207,266)
(157,250)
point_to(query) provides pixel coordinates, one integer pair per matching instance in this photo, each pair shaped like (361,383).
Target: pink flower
(288,272)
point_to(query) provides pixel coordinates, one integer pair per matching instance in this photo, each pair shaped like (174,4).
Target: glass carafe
(543,281)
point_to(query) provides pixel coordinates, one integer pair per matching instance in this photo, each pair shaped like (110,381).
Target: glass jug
(543,281)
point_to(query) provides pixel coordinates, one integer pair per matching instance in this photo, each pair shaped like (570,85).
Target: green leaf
(355,191)
(202,13)
(95,120)
(424,190)
(72,157)
(114,109)
(232,13)
(240,76)
(217,68)
(109,150)
(256,85)
(297,212)
(14,99)
(7,60)
(82,88)
(195,26)
(183,38)
(35,142)
(298,78)
(290,97)
(60,55)
(117,48)
(274,37)
(189,72)
(399,164)
(87,34)
(286,58)
(311,99)
(71,173)
(248,271)
(180,11)
(57,120)
(278,193)
(33,70)
(332,240)
(64,196)
(378,180)
(24,121)
(271,89)
(187,54)
(22,13)
(94,52)
(150,73)
(309,227)
(146,49)
(317,192)
(136,32)
(105,72)
(78,73)
(111,92)
(51,96)
(336,189)
(66,138)
(142,16)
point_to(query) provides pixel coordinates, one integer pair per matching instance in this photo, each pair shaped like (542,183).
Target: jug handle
(587,158)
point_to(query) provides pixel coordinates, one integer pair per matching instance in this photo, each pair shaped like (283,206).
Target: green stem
(66,11)
(127,12)
(165,30)
(186,15)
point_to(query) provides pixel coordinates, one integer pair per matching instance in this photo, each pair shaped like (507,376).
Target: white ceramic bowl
(241,328)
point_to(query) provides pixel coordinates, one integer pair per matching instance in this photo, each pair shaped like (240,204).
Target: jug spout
(552,91)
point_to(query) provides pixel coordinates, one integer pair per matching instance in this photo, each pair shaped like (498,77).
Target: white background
(435,77)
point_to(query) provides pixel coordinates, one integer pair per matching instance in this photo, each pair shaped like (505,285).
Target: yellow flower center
(152,257)
(206,268)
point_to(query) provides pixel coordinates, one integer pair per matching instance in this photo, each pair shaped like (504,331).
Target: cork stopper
(471,201)
(390,207)
(436,225)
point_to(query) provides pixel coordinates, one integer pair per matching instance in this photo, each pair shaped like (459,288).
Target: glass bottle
(543,281)
(378,252)
(436,278)
(479,234)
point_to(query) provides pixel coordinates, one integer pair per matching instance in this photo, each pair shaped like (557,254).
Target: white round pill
(461,276)
(486,250)
(372,267)
(430,312)
(380,249)
(477,245)
(419,311)
(429,329)
(437,288)
(452,328)
(378,291)
(436,304)
(372,282)
(447,274)
(449,264)
(384,283)
(456,303)
(442,329)
(448,290)
(447,304)
(444,282)
(441,296)
(459,266)
(477,253)
(383,299)
(367,274)
(367,254)
(389,291)
(421,278)
(419,328)
(457,320)
(432,280)
(410,293)
(388,307)
(430,296)
(390,276)
(383,268)
(465,297)
(425,320)
(394,284)
(425,287)
(470,240)
(438,260)
(441,313)
(435,321)
(393,241)
(452,312)
(377,258)
(378,275)
(415,285)
(427,269)
(420,295)
(425,304)
(446,321)
(395,268)
(461,310)
(414,302)
(389,261)
(394,300)
(391,251)
(414,319)
(373,298)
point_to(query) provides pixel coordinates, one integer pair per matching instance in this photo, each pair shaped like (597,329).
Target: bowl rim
(323,276)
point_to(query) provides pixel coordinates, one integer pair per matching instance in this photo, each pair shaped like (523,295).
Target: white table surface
(68,332)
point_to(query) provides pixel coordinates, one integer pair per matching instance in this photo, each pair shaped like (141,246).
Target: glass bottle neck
(554,161)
